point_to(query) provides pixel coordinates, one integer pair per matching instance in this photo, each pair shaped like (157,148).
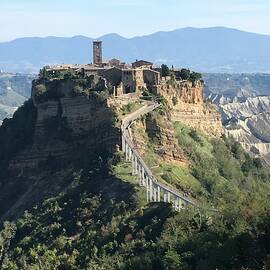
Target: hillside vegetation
(100,219)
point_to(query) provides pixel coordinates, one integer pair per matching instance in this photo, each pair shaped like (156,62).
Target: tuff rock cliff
(67,122)
(187,105)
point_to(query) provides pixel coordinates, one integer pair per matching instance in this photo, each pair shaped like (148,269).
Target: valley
(244,103)
(15,89)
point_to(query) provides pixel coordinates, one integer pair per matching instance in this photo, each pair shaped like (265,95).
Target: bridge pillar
(147,188)
(126,151)
(140,174)
(136,165)
(158,191)
(133,164)
(169,197)
(123,143)
(143,176)
(164,196)
(151,190)
(179,204)
(176,203)
(129,153)
(155,193)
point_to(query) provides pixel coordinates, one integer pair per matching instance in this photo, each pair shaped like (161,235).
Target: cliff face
(157,131)
(186,91)
(62,129)
(66,123)
(188,106)
(248,122)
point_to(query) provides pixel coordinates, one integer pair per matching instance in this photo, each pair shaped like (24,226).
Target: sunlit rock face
(188,106)
(248,122)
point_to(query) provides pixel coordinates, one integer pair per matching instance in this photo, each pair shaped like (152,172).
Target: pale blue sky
(21,18)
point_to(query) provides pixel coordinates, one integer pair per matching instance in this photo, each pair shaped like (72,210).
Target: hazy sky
(21,18)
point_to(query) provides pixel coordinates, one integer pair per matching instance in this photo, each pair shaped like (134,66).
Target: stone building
(140,75)
(132,80)
(97,52)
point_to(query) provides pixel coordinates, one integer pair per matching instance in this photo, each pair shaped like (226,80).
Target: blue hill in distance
(215,49)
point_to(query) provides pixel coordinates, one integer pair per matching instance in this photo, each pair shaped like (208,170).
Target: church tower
(97,52)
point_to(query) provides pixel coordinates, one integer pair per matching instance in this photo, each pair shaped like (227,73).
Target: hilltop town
(125,78)
(182,89)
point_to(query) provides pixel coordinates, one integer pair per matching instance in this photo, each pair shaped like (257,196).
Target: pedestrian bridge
(155,190)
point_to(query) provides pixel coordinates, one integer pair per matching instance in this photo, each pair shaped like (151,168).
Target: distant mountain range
(215,49)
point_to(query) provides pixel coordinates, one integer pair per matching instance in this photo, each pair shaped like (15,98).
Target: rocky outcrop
(203,117)
(185,91)
(157,130)
(66,124)
(187,106)
(246,109)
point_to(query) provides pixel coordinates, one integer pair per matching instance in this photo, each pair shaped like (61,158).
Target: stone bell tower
(97,52)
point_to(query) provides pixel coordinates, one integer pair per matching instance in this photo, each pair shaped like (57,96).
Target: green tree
(165,71)
(172,260)
(6,235)
(195,76)
(185,74)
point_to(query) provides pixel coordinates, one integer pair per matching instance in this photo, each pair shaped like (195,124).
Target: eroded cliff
(187,105)
(67,122)
(248,122)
